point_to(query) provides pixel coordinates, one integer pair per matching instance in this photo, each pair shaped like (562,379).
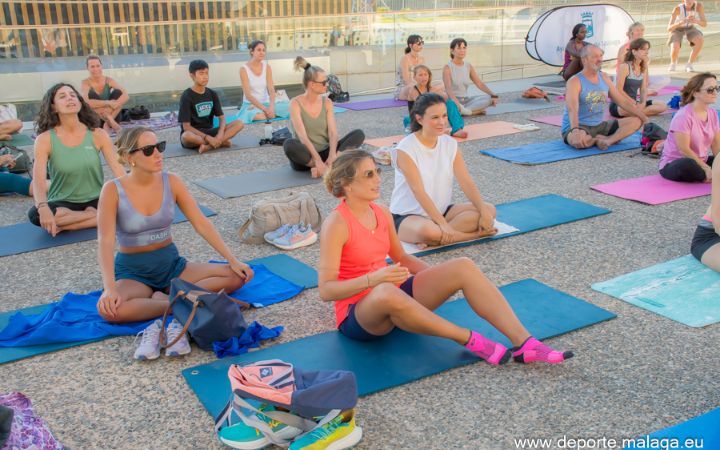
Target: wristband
(573,129)
(494,96)
(39,205)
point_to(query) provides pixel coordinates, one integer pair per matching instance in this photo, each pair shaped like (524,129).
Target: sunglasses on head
(323,82)
(148,150)
(710,90)
(371,173)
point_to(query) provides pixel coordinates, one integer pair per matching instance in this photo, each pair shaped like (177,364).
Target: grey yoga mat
(519,105)
(256,182)
(239,142)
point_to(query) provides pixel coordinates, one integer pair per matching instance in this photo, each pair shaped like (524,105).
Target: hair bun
(307,66)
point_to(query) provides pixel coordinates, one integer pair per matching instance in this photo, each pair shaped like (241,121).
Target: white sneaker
(149,347)
(689,68)
(672,67)
(182,346)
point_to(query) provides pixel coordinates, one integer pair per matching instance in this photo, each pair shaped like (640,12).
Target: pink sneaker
(533,350)
(490,351)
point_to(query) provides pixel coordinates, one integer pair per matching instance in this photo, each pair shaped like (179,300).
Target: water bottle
(268,131)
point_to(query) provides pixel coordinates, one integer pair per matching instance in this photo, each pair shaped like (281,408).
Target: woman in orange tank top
(372,298)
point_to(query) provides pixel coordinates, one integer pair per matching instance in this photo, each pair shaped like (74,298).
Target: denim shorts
(351,328)
(154,269)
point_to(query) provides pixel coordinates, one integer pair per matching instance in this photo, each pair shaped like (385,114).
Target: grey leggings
(300,156)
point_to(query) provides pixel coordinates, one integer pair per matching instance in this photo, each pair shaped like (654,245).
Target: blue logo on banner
(588,22)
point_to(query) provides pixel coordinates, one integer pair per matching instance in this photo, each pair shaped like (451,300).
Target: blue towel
(75,318)
(251,338)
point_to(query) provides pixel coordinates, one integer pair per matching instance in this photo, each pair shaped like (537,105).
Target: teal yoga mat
(401,357)
(26,237)
(532,214)
(281,264)
(19,140)
(699,432)
(236,116)
(682,289)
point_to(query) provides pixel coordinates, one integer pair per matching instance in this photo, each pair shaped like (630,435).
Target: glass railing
(363,48)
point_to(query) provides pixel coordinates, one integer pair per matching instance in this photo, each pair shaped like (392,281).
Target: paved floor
(631,375)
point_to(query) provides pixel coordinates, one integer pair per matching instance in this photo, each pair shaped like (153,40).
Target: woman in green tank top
(315,144)
(67,148)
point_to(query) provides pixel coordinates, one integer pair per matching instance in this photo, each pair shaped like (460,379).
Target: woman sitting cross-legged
(427,162)
(259,97)
(315,144)
(371,298)
(139,209)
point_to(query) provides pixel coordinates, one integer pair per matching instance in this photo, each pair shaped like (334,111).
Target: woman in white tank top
(458,75)
(260,101)
(427,163)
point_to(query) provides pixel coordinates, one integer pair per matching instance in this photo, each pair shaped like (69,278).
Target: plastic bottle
(268,131)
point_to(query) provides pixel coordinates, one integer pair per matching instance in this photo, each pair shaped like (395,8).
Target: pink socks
(490,351)
(533,350)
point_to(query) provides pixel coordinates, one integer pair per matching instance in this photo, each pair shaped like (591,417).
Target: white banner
(606,28)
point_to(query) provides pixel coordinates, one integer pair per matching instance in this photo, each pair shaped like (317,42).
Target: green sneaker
(338,434)
(245,437)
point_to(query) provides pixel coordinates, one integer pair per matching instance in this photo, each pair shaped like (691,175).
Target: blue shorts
(154,269)
(352,329)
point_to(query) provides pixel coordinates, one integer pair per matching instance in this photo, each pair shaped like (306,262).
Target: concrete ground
(632,375)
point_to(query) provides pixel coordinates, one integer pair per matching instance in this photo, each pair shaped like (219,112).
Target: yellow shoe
(338,434)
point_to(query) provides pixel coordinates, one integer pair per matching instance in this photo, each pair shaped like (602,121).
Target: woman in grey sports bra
(632,78)
(139,209)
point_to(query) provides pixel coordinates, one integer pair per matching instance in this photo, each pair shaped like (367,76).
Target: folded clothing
(251,338)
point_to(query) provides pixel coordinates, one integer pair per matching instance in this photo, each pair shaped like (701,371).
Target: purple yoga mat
(653,190)
(667,90)
(550,120)
(373,104)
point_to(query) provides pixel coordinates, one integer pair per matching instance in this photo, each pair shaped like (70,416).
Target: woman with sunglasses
(694,136)
(371,298)
(137,210)
(408,62)
(458,75)
(315,144)
(68,149)
(427,163)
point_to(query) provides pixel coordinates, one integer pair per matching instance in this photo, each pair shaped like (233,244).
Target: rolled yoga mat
(653,189)
(682,289)
(257,182)
(26,237)
(281,265)
(401,357)
(552,151)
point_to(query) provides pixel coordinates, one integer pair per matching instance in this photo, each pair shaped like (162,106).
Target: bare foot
(203,148)
(226,144)
(422,245)
(111,121)
(314,173)
(602,144)
(462,134)
(485,233)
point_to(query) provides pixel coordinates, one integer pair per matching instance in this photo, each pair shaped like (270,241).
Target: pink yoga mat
(549,120)
(475,131)
(653,190)
(667,90)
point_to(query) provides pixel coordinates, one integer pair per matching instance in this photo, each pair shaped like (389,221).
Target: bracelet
(39,205)
(494,96)
(573,129)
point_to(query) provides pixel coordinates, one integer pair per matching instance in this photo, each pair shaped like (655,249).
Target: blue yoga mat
(551,151)
(682,289)
(700,432)
(280,264)
(401,357)
(236,116)
(532,214)
(26,237)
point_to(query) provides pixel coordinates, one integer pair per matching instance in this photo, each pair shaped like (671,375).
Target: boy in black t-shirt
(198,106)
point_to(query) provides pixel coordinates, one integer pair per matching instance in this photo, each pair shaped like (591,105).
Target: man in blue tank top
(586,96)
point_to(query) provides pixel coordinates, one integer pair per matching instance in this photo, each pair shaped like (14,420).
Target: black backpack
(278,137)
(335,89)
(653,139)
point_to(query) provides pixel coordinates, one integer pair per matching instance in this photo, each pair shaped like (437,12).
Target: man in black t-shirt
(199,105)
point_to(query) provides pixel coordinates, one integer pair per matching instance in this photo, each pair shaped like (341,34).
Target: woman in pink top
(372,298)
(694,136)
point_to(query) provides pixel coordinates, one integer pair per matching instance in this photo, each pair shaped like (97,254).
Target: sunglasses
(148,150)
(323,82)
(368,174)
(715,89)
(419,42)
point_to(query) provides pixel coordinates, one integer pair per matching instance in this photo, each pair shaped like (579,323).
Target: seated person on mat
(68,149)
(315,144)
(103,94)
(371,297)
(632,79)
(585,98)
(424,84)
(259,99)
(694,136)
(573,62)
(707,234)
(139,209)
(12,182)
(9,127)
(199,105)
(427,163)
(411,59)
(458,75)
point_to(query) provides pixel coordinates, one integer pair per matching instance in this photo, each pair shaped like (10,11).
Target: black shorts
(352,329)
(605,128)
(702,240)
(398,218)
(616,113)
(34,216)
(209,131)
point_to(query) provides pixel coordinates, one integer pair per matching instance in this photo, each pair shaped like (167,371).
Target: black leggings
(300,156)
(685,169)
